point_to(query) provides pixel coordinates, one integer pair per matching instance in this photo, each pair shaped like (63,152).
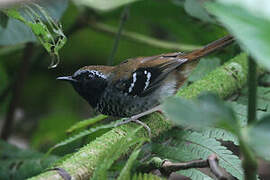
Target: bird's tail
(220,43)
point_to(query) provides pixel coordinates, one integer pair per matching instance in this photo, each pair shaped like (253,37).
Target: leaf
(205,66)
(194,174)
(207,110)
(103,5)
(125,172)
(50,36)
(258,136)
(195,8)
(86,123)
(146,177)
(83,134)
(258,9)
(241,112)
(105,161)
(188,146)
(263,98)
(251,30)
(220,134)
(16,163)
(17,32)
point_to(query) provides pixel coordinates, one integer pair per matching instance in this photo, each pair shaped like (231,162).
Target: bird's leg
(136,117)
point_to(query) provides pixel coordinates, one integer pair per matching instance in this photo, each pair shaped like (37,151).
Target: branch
(167,167)
(224,81)
(123,20)
(100,27)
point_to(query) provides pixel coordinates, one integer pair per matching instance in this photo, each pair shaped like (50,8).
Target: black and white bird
(137,86)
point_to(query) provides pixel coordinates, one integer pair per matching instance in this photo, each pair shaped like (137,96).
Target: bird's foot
(136,117)
(136,121)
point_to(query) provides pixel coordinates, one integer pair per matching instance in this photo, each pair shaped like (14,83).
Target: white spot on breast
(147,82)
(133,82)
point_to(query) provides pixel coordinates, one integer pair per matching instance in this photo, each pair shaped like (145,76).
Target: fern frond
(195,174)
(201,147)
(106,160)
(82,134)
(16,163)
(146,177)
(220,134)
(194,145)
(125,172)
(241,112)
(86,123)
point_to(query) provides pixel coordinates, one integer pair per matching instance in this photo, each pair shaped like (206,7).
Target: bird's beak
(67,78)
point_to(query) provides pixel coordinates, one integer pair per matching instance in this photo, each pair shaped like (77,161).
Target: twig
(84,21)
(123,19)
(249,162)
(215,169)
(101,27)
(17,91)
(252,90)
(167,167)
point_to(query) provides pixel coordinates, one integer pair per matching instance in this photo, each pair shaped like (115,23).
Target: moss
(224,81)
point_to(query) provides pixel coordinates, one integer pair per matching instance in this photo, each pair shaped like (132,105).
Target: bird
(137,86)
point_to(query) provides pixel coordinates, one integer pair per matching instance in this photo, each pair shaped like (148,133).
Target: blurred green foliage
(48,108)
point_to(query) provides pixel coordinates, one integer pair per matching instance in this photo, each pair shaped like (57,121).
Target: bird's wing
(148,74)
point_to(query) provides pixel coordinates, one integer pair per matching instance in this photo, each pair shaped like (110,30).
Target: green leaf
(187,146)
(194,174)
(263,98)
(50,36)
(16,163)
(82,134)
(220,134)
(146,177)
(251,30)
(195,8)
(241,113)
(207,110)
(86,123)
(103,5)
(205,66)
(258,136)
(106,160)
(126,171)
(17,32)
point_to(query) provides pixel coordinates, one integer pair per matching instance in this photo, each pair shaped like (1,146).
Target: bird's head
(89,83)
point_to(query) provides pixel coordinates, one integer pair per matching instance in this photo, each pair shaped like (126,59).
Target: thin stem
(101,27)
(249,162)
(124,17)
(167,167)
(17,91)
(252,90)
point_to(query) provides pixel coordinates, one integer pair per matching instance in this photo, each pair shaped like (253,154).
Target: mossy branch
(224,81)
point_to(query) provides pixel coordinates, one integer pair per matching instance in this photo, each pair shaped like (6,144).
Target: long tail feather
(220,43)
